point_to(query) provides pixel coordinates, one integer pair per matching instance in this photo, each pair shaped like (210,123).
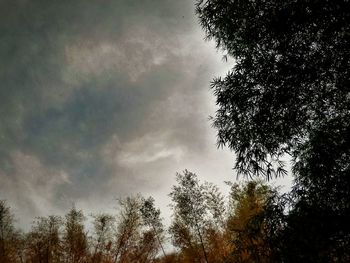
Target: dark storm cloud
(97,97)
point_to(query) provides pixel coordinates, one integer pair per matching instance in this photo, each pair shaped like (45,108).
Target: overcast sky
(103,98)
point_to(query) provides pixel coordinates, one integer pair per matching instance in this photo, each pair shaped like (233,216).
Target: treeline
(206,227)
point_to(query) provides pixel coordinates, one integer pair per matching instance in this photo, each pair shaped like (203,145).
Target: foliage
(204,221)
(128,229)
(103,237)
(290,77)
(288,94)
(151,218)
(206,228)
(74,237)
(9,238)
(43,242)
(248,231)
(190,213)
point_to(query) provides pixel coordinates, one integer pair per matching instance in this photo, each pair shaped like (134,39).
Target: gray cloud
(102,98)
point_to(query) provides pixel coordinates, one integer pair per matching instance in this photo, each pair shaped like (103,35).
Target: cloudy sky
(103,98)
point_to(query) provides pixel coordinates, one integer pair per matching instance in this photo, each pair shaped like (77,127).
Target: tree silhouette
(290,77)
(196,208)
(206,227)
(44,240)
(128,229)
(9,237)
(288,94)
(103,232)
(74,237)
(151,218)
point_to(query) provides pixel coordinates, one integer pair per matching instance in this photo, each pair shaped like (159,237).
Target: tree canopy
(288,94)
(290,78)
(206,226)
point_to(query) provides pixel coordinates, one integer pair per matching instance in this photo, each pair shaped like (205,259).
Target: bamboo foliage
(205,227)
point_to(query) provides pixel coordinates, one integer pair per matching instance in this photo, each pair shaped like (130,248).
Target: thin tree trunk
(202,244)
(118,249)
(160,243)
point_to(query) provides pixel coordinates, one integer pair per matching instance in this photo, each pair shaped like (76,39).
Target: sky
(104,98)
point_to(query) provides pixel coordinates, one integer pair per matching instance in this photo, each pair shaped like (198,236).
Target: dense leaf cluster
(289,94)
(291,74)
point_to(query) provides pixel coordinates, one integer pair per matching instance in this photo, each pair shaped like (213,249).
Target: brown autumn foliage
(214,230)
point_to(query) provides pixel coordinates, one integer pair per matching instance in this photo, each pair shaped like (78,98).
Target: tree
(151,218)
(74,237)
(288,93)
(103,238)
(128,229)
(44,240)
(197,207)
(8,234)
(246,226)
(147,247)
(217,239)
(290,77)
